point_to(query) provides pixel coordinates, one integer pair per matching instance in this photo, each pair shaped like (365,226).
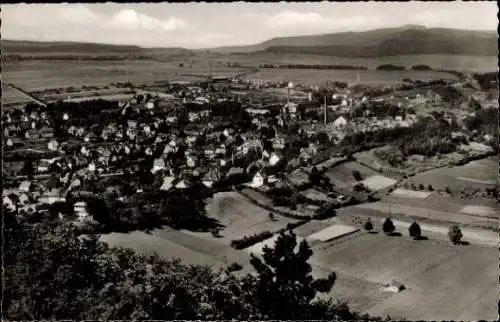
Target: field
(378,182)
(457,62)
(11,96)
(405,193)
(367,77)
(420,210)
(341,175)
(434,273)
(241,217)
(476,174)
(36,75)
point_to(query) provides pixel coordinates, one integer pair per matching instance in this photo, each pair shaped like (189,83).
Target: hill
(406,40)
(37,47)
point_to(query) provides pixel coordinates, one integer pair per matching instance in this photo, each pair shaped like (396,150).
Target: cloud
(312,22)
(130,19)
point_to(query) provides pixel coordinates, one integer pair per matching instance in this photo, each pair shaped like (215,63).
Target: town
(267,191)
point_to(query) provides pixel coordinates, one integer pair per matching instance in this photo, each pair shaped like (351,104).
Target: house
(53,145)
(46,132)
(257,180)
(9,203)
(340,122)
(210,178)
(273,159)
(182,184)
(167,183)
(25,186)
(9,143)
(235,171)
(171,119)
(80,209)
(43,166)
(190,161)
(32,134)
(132,124)
(91,166)
(158,164)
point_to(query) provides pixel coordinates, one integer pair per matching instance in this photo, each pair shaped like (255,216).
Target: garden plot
(405,193)
(480,211)
(378,182)
(333,232)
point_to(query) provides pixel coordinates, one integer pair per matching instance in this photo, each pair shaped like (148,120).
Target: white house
(190,162)
(167,183)
(210,178)
(257,180)
(273,159)
(158,164)
(53,145)
(182,184)
(340,122)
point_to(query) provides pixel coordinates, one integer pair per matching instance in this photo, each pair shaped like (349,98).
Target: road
(28,95)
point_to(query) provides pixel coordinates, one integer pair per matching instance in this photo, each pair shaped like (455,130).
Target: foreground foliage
(52,273)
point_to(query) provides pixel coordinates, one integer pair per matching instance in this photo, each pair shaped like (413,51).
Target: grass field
(36,75)
(241,217)
(435,273)
(367,77)
(341,175)
(476,174)
(11,96)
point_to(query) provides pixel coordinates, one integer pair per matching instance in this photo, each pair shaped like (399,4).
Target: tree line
(313,66)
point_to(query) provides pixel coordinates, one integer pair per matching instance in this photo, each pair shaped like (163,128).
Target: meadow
(341,175)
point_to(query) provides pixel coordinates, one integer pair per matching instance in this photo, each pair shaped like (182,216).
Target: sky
(206,25)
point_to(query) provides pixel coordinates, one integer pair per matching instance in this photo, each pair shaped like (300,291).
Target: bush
(421,187)
(430,188)
(368,226)
(271,216)
(248,241)
(359,187)
(447,189)
(388,226)
(415,230)
(234,267)
(326,211)
(455,234)
(357,175)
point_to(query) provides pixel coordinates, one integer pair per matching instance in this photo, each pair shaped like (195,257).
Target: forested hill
(406,40)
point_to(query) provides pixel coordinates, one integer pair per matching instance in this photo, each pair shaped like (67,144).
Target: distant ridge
(405,40)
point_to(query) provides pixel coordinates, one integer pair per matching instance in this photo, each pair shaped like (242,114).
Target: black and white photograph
(240,161)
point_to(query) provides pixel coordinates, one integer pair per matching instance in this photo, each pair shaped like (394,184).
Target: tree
(430,188)
(421,186)
(388,226)
(357,175)
(271,216)
(455,234)
(368,226)
(448,190)
(284,287)
(415,230)
(28,168)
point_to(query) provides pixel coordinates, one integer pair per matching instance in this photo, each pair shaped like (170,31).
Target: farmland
(456,62)
(475,174)
(37,75)
(367,77)
(432,271)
